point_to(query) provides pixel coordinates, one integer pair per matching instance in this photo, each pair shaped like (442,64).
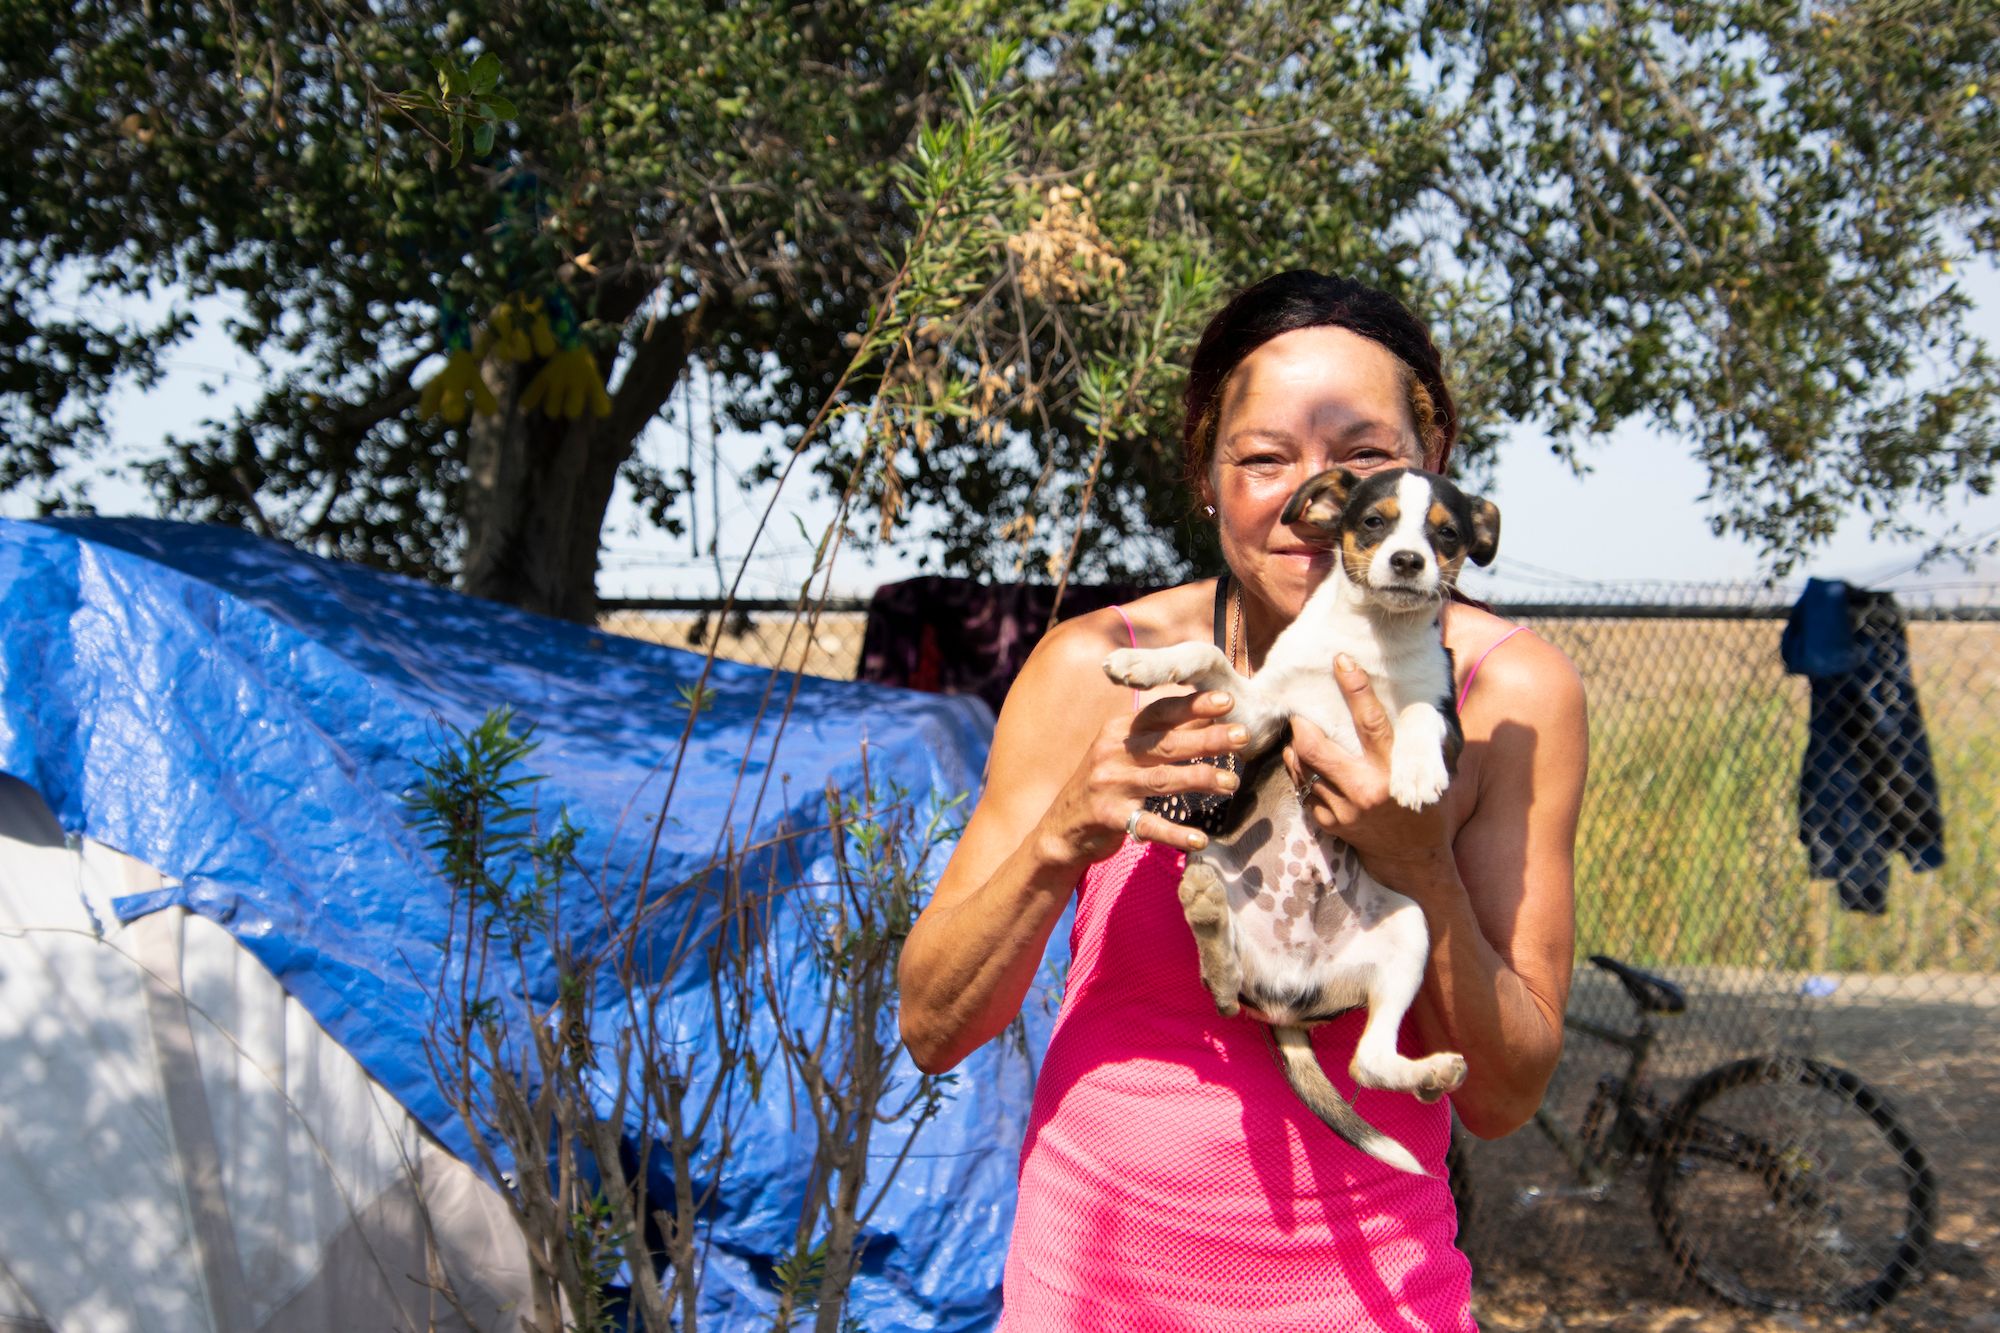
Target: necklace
(1239,656)
(1229,762)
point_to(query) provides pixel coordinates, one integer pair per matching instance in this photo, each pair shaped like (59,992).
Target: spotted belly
(1300,904)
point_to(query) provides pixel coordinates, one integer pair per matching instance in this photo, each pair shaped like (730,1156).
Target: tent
(222,731)
(184,1148)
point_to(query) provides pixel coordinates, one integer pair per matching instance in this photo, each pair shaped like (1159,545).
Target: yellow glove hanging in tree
(538,327)
(566,385)
(509,341)
(459,386)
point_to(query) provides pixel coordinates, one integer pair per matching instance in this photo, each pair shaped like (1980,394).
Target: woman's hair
(1303,299)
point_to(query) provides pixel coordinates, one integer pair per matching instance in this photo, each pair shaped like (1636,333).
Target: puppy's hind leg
(1205,903)
(1393,981)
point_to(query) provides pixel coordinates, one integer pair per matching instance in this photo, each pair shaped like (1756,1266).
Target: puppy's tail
(1302,1071)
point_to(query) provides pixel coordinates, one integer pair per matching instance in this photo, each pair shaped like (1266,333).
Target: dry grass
(1689,850)
(762,639)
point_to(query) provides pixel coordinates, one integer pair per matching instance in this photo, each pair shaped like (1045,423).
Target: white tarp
(183,1148)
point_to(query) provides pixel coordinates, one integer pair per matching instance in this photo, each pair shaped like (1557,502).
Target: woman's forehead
(1316,381)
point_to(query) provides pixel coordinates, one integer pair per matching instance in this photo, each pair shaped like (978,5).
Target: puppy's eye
(1448,533)
(1374,522)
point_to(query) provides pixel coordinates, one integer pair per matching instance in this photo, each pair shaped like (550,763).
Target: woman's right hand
(1136,756)
(1071,760)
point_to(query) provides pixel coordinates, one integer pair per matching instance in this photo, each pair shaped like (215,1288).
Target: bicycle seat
(1653,995)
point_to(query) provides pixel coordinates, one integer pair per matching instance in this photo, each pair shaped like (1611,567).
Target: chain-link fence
(1717,780)
(757,632)
(1849,1140)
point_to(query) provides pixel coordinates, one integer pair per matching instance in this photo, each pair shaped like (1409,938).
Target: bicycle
(1777,1182)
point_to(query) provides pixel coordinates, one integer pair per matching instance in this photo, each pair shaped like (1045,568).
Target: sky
(1633,517)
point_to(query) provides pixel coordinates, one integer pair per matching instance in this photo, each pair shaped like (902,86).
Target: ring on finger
(1308,782)
(1132,821)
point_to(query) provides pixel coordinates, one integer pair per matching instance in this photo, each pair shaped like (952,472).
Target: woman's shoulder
(1171,615)
(1523,701)
(1068,663)
(1515,666)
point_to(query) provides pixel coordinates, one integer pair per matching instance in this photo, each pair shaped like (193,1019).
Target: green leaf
(485,73)
(482,139)
(499,108)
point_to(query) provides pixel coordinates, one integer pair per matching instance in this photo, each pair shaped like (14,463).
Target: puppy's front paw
(1142,668)
(1121,665)
(1417,777)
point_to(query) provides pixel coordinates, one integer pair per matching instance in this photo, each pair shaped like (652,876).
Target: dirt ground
(1555,1261)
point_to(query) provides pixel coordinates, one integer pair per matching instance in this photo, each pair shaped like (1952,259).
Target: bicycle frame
(1596,1156)
(1777,1181)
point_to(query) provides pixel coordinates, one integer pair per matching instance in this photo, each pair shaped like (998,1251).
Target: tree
(1737,221)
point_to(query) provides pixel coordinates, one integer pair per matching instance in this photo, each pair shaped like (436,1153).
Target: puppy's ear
(1320,500)
(1485,543)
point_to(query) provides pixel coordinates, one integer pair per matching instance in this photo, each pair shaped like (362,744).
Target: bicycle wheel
(1782,1184)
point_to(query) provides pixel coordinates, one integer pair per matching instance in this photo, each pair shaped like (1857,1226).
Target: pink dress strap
(1467,688)
(1132,634)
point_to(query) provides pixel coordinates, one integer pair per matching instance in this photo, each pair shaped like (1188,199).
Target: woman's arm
(1497,896)
(1070,761)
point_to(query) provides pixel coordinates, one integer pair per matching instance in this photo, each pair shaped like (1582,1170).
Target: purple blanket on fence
(958,636)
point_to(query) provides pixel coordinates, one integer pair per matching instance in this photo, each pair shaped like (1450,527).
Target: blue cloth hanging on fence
(1867,786)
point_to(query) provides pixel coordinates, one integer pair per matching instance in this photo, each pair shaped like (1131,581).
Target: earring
(1209,510)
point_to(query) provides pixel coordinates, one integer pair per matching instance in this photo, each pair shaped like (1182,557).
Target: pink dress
(1171,1179)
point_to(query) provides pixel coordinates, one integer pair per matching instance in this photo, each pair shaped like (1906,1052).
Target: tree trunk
(535,497)
(537,487)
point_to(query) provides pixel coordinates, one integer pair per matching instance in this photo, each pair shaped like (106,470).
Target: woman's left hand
(1408,850)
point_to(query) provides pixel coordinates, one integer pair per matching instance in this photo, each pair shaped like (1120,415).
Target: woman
(1170,1179)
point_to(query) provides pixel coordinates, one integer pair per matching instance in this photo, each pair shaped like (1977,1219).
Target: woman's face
(1305,401)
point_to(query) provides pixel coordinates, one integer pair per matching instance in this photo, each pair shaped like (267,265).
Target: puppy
(1286,919)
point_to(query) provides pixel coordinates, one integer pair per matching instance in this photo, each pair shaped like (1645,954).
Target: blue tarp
(246,719)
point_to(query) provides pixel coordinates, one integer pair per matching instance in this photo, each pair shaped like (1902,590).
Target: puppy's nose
(1407,564)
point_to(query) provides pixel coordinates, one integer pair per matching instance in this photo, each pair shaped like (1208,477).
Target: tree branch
(655,369)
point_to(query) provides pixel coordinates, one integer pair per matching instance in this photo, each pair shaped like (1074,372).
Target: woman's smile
(1315,559)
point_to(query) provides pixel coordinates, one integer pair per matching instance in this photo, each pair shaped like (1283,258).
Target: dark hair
(1303,299)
